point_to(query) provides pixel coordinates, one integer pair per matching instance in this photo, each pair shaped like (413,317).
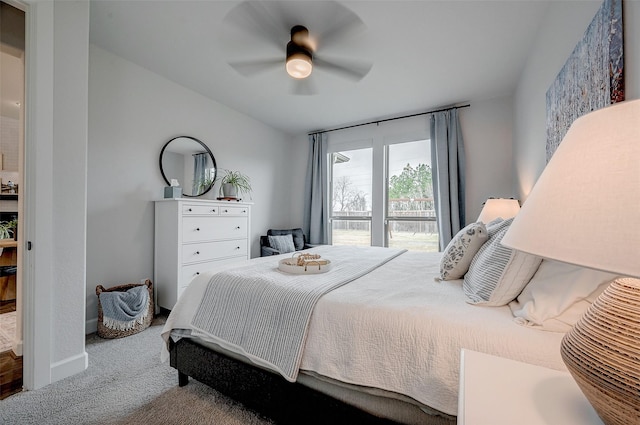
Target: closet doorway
(12,124)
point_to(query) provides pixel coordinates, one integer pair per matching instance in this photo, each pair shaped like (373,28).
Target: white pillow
(498,274)
(460,251)
(558,295)
(282,243)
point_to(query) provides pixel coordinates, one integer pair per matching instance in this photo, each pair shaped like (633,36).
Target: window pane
(413,235)
(351,232)
(351,188)
(409,195)
(351,197)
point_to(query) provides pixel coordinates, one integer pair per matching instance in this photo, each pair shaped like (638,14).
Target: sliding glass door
(351,178)
(381,193)
(410,214)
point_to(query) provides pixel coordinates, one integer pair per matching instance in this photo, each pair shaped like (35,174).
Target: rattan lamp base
(602,352)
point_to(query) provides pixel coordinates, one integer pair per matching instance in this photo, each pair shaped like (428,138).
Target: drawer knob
(237,247)
(237,227)
(197,229)
(244,211)
(226,210)
(197,273)
(189,210)
(213,210)
(197,252)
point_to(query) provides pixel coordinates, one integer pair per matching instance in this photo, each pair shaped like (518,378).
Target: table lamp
(498,208)
(585,210)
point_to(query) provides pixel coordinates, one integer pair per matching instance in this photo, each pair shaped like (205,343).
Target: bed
(386,345)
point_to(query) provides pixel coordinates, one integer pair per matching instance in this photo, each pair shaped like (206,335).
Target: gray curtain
(199,172)
(315,204)
(448,172)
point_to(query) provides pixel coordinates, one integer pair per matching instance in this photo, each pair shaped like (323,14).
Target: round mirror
(191,163)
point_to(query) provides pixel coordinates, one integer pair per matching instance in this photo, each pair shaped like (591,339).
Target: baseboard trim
(70,366)
(17,348)
(91,326)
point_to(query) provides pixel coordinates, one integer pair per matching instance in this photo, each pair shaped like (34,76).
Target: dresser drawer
(192,271)
(196,229)
(212,250)
(242,211)
(196,209)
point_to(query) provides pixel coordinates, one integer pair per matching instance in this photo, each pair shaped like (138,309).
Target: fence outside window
(410,224)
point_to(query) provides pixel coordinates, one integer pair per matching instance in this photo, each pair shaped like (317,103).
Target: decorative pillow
(460,251)
(558,295)
(282,243)
(498,274)
(297,234)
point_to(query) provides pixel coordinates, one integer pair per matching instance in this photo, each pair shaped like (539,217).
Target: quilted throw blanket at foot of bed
(263,313)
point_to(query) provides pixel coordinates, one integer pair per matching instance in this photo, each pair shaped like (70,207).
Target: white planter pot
(229,191)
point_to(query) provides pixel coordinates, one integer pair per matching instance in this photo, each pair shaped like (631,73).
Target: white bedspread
(265,312)
(399,330)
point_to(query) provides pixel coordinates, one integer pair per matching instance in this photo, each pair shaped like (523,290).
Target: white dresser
(191,235)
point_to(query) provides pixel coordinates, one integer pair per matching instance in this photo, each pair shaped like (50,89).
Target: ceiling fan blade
(343,25)
(250,68)
(305,87)
(255,19)
(346,68)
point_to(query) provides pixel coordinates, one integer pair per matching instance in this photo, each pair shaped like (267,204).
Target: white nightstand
(498,391)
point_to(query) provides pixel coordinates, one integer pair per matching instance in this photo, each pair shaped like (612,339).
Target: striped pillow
(498,274)
(282,243)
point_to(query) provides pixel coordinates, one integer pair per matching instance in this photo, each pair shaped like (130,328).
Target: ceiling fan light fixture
(299,57)
(299,65)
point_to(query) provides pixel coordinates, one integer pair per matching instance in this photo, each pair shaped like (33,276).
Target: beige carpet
(125,383)
(195,404)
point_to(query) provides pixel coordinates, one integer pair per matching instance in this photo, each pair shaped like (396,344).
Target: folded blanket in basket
(122,310)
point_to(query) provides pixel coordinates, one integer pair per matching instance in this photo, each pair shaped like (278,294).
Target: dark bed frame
(262,391)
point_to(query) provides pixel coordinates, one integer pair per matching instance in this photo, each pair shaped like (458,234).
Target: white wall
(55,190)
(71,45)
(564,26)
(487,131)
(488,135)
(132,114)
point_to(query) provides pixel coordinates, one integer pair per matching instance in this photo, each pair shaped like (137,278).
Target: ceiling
(425,54)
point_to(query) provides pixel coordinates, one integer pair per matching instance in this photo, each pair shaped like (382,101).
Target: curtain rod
(391,119)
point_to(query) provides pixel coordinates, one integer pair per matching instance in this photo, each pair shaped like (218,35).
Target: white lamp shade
(585,207)
(498,208)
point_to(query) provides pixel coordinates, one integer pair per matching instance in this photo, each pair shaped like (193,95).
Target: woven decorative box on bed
(106,332)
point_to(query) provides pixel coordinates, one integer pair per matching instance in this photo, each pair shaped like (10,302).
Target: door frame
(36,205)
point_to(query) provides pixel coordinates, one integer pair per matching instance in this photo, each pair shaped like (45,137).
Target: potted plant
(8,229)
(234,183)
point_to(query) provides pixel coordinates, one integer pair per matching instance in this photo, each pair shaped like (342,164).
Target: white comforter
(399,330)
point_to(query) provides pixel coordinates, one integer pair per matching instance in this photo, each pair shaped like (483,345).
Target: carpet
(200,406)
(7,330)
(125,383)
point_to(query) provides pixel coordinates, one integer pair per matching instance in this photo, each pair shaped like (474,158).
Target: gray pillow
(282,243)
(498,274)
(298,236)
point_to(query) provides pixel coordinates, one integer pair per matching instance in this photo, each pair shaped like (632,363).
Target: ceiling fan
(302,53)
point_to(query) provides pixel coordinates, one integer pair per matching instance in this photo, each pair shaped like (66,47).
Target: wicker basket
(106,332)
